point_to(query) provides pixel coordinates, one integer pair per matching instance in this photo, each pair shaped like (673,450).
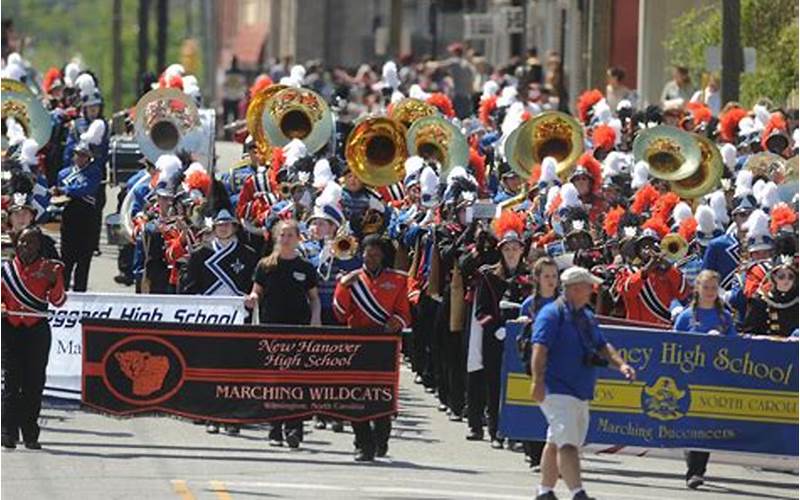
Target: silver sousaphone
(167,122)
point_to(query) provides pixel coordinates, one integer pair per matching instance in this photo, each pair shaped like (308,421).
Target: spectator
(616,91)
(680,87)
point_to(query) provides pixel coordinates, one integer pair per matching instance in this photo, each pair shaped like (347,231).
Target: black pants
(80,266)
(492,359)
(456,371)
(125,260)
(287,428)
(534,450)
(439,357)
(423,339)
(372,433)
(100,203)
(25,351)
(476,399)
(78,242)
(696,462)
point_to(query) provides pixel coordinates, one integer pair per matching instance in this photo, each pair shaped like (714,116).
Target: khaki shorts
(567,419)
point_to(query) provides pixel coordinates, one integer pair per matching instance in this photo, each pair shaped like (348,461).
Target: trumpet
(344,245)
(674,247)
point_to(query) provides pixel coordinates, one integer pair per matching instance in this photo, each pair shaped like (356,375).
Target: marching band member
(30,281)
(374,296)
(285,292)
(773,309)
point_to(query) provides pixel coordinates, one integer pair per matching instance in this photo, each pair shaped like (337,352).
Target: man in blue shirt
(567,346)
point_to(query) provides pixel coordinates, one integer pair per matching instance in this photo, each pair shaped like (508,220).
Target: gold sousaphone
(671,153)
(255,116)
(433,137)
(167,122)
(551,133)
(25,108)
(409,110)
(707,176)
(297,113)
(674,247)
(376,151)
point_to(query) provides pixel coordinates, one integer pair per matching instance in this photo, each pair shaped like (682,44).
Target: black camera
(594,359)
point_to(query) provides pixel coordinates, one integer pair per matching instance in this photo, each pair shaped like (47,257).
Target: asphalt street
(88,456)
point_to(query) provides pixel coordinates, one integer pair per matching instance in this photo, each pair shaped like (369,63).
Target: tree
(770,26)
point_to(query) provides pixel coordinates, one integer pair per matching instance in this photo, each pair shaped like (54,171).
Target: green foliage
(59,30)
(771,26)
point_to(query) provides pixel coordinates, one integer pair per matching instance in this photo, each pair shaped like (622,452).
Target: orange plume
(688,228)
(664,205)
(781,215)
(442,102)
(586,101)
(50,78)
(776,122)
(590,163)
(604,137)
(262,81)
(485,111)
(700,112)
(729,124)
(644,199)
(509,220)
(656,225)
(478,164)
(612,220)
(199,180)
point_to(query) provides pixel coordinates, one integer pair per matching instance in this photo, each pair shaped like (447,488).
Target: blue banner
(692,391)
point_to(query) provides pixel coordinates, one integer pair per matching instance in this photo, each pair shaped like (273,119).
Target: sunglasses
(783,276)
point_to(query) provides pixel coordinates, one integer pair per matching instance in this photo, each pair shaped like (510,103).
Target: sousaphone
(707,176)
(551,133)
(671,153)
(25,108)
(433,137)
(409,110)
(297,113)
(788,189)
(255,116)
(767,166)
(167,122)
(376,151)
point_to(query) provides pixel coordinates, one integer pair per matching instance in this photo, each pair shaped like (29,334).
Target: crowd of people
(677,216)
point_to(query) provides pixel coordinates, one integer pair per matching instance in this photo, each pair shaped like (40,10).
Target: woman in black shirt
(285,292)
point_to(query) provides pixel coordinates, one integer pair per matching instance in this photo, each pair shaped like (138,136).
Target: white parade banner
(64,365)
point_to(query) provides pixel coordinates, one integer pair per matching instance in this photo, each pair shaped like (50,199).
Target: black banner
(239,373)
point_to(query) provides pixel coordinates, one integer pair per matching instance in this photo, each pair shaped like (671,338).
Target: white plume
(762,115)
(14,58)
(94,134)
(14,131)
(746,126)
(390,78)
(513,118)
(551,195)
(417,93)
(322,173)
(331,195)
(174,70)
(507,96)
(456,172)
(759,186)
(71,72)
(190,80)
(293,151)
(298,72)
(705,219)
(396,96)
(490,88)
(548,170)
(428,181)
(681,212)
(27,152)
(168,167)
(728,152)
(14,72)
(757,224)
(413,164)
(85,83)
(744,183)
(641,173)
(796,138)
(193,167)
(769,196)
(569,196)
(719,205)
(624,104)
(601,112)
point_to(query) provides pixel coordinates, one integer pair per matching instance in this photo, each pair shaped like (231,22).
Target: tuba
(551,133)
(376,151)
(255,117)
(296,113)
(674,247)
(344,246)
(167,122)
(707,176)
(407,111)
(435,138)
(671,153)
(19,104)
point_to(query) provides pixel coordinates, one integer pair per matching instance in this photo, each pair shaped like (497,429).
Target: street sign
(478,26)
(714,59)
(506,20)
(510,20)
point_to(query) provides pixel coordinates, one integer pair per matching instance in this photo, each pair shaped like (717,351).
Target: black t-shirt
(285,299)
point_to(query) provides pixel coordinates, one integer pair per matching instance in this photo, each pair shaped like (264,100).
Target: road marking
(219,489)
(180,487)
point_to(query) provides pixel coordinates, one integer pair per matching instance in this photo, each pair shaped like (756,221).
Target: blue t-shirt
(527,305)
(566,372)
(707,320)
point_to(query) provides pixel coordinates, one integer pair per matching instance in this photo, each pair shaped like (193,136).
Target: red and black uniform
(26,342)
(370,300)
(648,295)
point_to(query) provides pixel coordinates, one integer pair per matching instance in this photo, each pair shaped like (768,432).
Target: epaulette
(349,278)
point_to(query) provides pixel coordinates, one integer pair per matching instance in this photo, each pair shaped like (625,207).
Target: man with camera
(567,346)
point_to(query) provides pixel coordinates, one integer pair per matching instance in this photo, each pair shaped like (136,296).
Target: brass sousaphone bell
(707,176)
(433,137)
(255,117)
(409,110)
(25,108)
(671,153)
(376,151)
(297,113)
(551,133)
(674,247)
(167,122)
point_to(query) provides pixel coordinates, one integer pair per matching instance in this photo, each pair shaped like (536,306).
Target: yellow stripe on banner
(744,404)
(518,390)
(180,487)
(219,489)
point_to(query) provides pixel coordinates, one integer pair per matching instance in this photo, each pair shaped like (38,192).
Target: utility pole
(144,40)
(116,64)
(395,28)
(162,16)
(731,50)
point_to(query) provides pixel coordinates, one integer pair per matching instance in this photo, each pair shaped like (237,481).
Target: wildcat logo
(143,370)
(662,399)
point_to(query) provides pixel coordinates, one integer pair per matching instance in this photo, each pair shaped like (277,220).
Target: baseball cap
(576,274)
